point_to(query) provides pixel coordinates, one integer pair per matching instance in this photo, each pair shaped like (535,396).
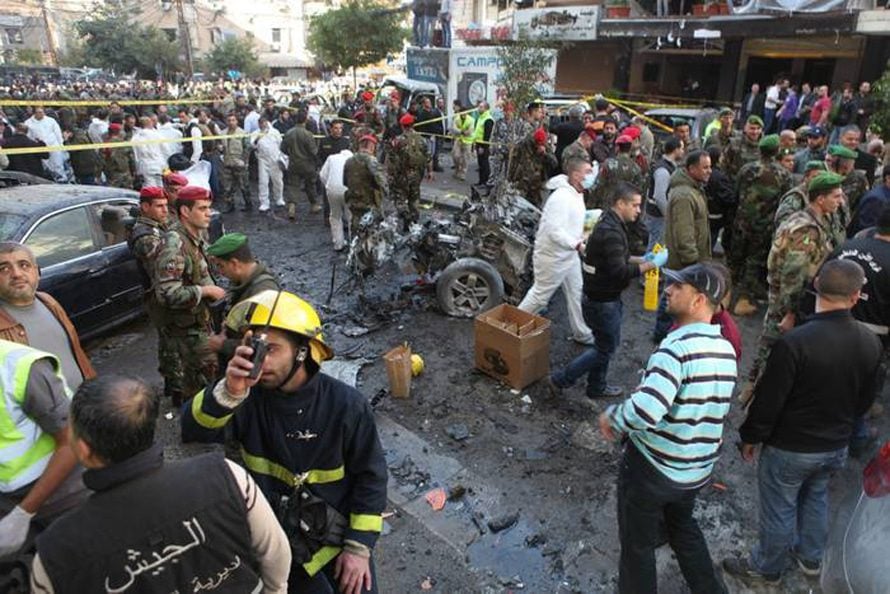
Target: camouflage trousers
(199,365)
(120,180)
(768,337)
(405,195)
(168,359)
(306,178)
(747,261)
(234,179)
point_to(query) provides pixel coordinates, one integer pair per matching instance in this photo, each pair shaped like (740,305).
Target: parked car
(79,236)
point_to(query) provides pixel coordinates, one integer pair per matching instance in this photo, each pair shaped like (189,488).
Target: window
(113,218)
(276,35)
(62,237)
(14,36)
(170,33)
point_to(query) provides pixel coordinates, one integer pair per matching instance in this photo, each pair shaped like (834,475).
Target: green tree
(525,66)
(234,53)
(29,56)
(359,33)
(880,120)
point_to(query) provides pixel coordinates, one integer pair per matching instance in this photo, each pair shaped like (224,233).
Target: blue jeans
(769,116)
(604,320)
(655,225)
(793,490)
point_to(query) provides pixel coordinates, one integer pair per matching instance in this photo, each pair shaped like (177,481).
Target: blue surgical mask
(588,181)
(497,114)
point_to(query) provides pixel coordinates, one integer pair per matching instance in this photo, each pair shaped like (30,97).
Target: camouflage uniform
(760,185)
(796,199)
(613,171)
(574,151)
(801,244)
(145,243)
(737,154)
(528,169)
(721,140)
(182,270)
(505,136)
(234,168)
(118,165)
(855,186)
(406,167)
(367,122)
(366,183)
(262,279)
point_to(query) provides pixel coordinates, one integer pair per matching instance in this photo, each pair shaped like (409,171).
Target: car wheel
(469,286)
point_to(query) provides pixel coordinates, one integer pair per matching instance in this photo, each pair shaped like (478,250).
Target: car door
(121,279)
(71,262)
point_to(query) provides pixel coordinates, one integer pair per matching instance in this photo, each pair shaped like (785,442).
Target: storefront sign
(573,23)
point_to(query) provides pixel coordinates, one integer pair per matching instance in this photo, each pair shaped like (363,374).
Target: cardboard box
(512,345)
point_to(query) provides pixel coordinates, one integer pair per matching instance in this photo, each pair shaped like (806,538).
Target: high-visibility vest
(479,132)
(25,449)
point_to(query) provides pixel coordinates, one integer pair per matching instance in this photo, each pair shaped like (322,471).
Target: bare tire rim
(469,292)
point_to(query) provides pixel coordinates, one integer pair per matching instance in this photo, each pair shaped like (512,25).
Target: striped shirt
(675,417)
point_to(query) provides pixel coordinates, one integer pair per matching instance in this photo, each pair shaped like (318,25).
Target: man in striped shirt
(672,427)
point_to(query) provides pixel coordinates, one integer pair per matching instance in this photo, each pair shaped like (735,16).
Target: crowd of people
(798,212)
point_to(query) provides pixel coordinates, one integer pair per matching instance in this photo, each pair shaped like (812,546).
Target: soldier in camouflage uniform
(365,181)
(118,164)
(800,246)
(145,243)
(367,120)
(185,289)
(506,135)
(236,154)
(613,171)
(842,161)
(796,198)
(408,162)
(760,185)
(725,134)
(580,149)
(530,164)
(743,149)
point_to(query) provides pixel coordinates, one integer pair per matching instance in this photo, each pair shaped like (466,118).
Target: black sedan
(79,236)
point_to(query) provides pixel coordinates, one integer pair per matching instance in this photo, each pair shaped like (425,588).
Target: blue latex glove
(660,259)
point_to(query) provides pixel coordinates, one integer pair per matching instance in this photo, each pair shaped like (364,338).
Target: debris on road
(417,364)
(345,370)
(503,522)
(436,498)
(457,432)
(456,492)
(426,584)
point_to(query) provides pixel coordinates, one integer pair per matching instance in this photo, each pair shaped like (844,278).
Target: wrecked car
(476,258)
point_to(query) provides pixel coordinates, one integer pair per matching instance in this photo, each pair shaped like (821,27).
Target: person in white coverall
(267,141)
(150,161)
(332,177)
(47,130)
(558,245)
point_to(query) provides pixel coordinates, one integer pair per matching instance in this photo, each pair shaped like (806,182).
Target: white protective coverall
(268,151)
(332,178)
(556,259)
(150,161)
(48,131)
(169,132)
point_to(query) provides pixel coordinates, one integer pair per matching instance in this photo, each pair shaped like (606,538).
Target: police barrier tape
(622,105)
(100,102)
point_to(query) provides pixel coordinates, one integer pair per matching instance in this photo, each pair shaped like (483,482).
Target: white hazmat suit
(268,152)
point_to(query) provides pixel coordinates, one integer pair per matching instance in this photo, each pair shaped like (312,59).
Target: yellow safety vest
(25,449)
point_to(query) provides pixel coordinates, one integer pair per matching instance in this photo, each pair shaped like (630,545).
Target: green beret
(784,152)
(825,181)
(226,244)
(770,142)
(726,111)
(754,120)
(837,150)
(814,165)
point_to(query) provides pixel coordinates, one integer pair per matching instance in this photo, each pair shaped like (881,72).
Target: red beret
(368,138)
(367,96)
(395,95)
(590,130)
(406,120)
(149,193)
(540,136)
(624,139)
(192,194)
(632,131)
(114,127)
(176,179)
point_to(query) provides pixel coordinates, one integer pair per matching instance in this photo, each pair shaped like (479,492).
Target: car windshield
(673,119)
(9,224)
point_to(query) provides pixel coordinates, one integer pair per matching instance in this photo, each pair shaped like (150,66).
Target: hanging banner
(572,23)
(755,6)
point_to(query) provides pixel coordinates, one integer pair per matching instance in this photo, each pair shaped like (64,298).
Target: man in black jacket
(722,200)
(819,379)
(608,269)
(27,163)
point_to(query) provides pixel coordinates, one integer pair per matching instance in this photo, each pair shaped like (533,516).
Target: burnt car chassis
(474,259)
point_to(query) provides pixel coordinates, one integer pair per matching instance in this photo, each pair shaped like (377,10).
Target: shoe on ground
(741,569)
(744,307)
(315,208)
(607,392)
(585,340)
(553,390)
(292,211)
(810,568)
(263,209)
(280,203)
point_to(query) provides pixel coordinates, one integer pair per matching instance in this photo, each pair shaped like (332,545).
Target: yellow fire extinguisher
(650,289)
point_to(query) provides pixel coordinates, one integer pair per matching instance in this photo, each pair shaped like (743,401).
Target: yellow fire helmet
(291,314)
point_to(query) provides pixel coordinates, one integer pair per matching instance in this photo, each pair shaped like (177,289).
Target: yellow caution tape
(102,102)
(623,106)
(121,144)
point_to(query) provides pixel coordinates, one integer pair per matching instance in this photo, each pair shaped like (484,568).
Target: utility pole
(185,37)
(50,36)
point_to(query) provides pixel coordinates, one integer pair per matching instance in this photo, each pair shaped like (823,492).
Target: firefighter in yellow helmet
(309,441)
